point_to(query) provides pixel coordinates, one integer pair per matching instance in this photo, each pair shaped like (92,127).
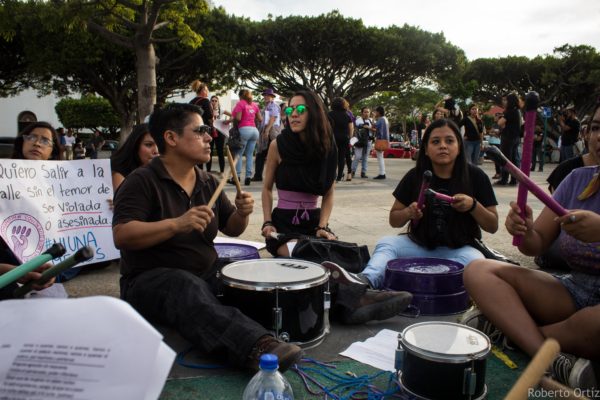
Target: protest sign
(42,202)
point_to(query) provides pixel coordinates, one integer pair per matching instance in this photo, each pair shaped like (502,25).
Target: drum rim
(445,358)
(271,286)
(417,274)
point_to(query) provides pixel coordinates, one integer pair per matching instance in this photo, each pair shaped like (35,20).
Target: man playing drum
(165,232)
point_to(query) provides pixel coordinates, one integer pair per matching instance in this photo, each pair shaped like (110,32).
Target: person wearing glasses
(165,231)
(38,141)
(302,162)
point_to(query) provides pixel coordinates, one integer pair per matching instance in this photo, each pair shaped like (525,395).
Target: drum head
(270,274)
(445,341)
(235,251)
(425,265)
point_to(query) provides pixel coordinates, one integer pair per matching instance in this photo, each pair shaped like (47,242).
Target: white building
(26,107)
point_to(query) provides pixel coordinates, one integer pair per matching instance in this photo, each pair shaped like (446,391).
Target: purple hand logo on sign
(24,235)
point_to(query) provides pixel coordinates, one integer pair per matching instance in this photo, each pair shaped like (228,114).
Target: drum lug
(284,336)
(277,319)
(399,356)
(327,300)
(469,382)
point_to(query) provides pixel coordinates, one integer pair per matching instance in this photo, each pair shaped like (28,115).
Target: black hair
(380,110)
(317,134)
(17,153)
(460,181)
(337,104)
(173,117)
(126,158)
(512,101)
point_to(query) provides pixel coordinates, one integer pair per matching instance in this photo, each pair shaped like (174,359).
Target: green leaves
(87,112)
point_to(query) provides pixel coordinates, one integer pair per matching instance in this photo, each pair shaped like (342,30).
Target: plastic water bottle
(268,383)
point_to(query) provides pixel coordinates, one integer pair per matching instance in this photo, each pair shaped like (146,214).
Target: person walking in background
(96,144)
(510,136)
(570,126)
(218,141)
(348,153)
(69,142)
(201,100)
(494,140)
(362,148)
(473,136)
(342,128)
(382,133)
(268,131)
(246,113)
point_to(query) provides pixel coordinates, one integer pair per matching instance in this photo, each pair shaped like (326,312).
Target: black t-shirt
(569,137)
(149,194)
(441,225)
(563,169)
(340,121)
(207,111)
(512,129)
(472,129)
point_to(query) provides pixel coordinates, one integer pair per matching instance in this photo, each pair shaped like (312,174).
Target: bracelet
(473,206)
(265,224)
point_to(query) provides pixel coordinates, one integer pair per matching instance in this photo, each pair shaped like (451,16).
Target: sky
(481,28)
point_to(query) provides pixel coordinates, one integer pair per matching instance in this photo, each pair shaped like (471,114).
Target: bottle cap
(269,362)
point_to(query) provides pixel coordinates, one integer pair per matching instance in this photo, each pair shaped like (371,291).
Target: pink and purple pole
(440,196)
(532,100)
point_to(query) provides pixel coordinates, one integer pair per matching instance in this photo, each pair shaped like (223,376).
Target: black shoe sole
(377,312)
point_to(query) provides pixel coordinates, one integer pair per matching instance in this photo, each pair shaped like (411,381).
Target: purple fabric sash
(289,200)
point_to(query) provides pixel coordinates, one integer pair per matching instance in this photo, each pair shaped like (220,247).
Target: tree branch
(110,36)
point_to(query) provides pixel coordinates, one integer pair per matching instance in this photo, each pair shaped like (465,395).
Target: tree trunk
(146,78)
(127,121)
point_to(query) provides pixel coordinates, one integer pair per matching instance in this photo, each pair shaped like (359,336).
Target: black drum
(444,360)
(284,295)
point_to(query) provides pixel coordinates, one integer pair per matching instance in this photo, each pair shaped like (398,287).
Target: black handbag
(235,140)
(350,256)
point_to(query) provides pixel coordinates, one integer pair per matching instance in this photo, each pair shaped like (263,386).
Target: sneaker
(577,373)
(363,175)
(247,181)
(257,179)
(377,305)
(512,183)
(500,183)
(340,275)
(380,177)
(475,319)
(287,353)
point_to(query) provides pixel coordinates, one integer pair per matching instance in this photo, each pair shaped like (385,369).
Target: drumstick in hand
(233,171)
(218,191)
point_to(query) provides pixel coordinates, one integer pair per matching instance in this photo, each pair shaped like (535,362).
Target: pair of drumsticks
(223,182)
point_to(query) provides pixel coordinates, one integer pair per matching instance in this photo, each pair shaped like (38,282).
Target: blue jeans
(249,136)
(472,149)
(401,246)
(566,152)
(361,154)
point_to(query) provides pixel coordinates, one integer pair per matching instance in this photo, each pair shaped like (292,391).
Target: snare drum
(284,295)
(444,360)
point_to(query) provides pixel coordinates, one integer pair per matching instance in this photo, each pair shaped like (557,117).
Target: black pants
(259,163)
(537,155)
(219,143)
(510,148)
(342,147)
(187,303)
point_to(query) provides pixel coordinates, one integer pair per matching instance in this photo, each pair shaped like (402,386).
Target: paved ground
(360,215)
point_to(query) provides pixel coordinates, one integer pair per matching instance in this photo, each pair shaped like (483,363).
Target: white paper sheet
(222,127)
(257,245)
(378,351)
(56,291)
(90,348)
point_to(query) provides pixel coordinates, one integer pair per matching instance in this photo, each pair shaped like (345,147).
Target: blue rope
(339,386)
(180,359)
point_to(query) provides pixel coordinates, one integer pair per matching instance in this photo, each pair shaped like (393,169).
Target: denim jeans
(249,136)
(361,154)
(472,149)
(566,152)
(401,246)
(187,303)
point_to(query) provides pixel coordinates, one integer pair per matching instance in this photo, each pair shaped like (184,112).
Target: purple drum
(424,275)
(230,252)
(436,284)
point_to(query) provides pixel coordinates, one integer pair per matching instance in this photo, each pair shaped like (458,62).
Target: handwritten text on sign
(64,201)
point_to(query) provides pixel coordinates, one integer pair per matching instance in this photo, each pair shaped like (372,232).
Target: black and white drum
(284,295)
(444,360)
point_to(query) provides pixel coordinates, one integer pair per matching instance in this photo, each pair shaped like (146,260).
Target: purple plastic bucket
(424,275)
(230,252)
(441,304)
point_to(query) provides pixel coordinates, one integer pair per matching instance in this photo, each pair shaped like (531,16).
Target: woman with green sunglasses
(302,163)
